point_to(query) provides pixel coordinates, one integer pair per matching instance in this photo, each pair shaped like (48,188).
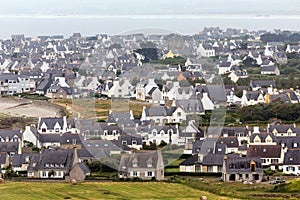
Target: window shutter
(138,174)
(131,173)
(146,174)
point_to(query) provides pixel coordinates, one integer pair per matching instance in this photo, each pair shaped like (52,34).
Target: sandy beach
(28,108)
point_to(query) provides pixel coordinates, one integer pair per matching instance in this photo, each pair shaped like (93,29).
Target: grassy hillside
(92,190)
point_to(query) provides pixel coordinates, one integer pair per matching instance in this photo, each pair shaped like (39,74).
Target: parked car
(277,180)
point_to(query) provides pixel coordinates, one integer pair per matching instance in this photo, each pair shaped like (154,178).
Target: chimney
(75,157)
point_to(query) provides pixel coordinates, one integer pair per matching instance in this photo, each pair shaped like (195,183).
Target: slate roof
(142,158)
(242,164)
(283,128)
(292,157)
(3,158)
(213,159)
(289,142)
(190,105)
(190,161)
(10,134)
(264,151)
(231,142)
(50,122)
(61,157)
(262,137)
(261,83)
(9,147)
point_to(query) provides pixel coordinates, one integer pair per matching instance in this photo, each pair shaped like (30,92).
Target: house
(190,106)
(252,98)
(242,169)
(30,134)
(270,70)
(145,165)
(291,163)
(52,125)
(52,163)
(146,89)
(283,130)
(21,162)
(163,114)
(258,84)
(206,50)
(79,172)
(271,155)
(199,163)
(64,141)
(231,144)
(158,133)
(262,139)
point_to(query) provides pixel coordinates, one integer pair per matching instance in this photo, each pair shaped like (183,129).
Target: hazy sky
(129,7)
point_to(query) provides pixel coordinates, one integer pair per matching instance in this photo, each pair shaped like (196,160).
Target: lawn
(97,108)
(96,190)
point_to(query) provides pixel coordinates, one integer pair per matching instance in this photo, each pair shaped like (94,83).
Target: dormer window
(134,163)
(57,130)
(134,142)
(124,142)
(291,159)
(264,150)
(61,165)
(149,163)
(295,145)
(105,132)
(46,165)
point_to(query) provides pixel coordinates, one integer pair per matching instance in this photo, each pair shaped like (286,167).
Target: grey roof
(269,68)
(160,111)
(50,122)
(10,134)
(60,159)
(262,136)
(282,128)
(242,164)
(9,147)
(213,159)
(292,157)
(3,158)
(231,142)
(289,142)
(142,159)
(197,146)
(190,161)
(261,83)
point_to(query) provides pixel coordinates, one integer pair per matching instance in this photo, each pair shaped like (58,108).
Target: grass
(96,190)
(89,108)
(245,191)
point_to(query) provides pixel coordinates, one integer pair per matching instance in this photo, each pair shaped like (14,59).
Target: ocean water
(87,25)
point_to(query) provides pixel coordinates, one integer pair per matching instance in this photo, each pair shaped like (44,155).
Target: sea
(89,25)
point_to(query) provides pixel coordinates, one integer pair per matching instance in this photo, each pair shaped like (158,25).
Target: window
(179,114)
(124,142)
(149,174)
(135,174)
(105,132)
(15,139)
(56,130)
(44,174)
(134,142)
(43,130)
(209,169)
(74,141)
(134,163)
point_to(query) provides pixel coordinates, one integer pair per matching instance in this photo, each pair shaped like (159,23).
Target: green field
(94,190)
